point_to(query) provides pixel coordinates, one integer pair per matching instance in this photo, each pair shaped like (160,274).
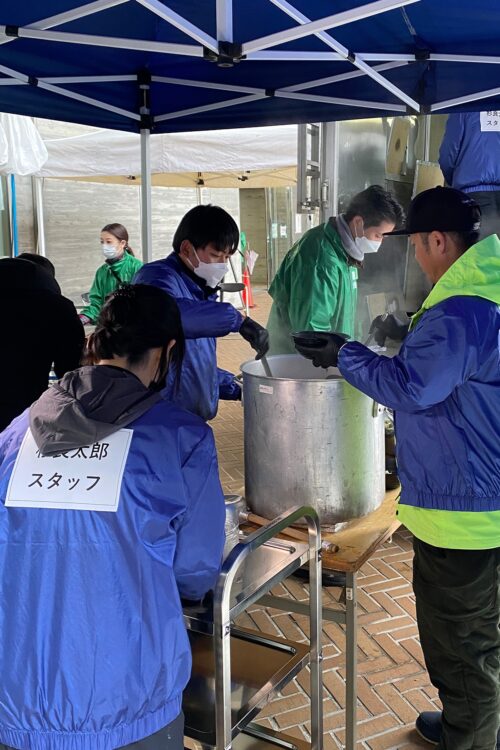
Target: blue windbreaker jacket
(203,320)
(444,386)
(94,654)
(469,158)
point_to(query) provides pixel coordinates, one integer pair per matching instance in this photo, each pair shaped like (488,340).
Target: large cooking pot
(310,439)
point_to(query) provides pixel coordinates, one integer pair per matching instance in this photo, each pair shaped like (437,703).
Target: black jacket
(40,327)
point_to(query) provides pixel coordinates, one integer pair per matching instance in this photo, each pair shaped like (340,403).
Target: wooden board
(359,539)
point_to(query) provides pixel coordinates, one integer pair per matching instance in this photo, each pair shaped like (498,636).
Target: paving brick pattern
(393,686)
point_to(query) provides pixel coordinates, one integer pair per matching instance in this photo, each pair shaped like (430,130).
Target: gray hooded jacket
(87,405)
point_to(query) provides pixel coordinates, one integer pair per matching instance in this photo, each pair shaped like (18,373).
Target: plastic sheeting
(251,157)
(22,150)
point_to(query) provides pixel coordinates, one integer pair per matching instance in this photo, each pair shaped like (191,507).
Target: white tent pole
(146,229)
(70,15)
(144,80)
(169,15)
(329,22)
(225,20)
(210,107)
(299,55)
(341,77)
(477,96)
(23,78)
(207,85)
(336,100)
(92,40)
(37,183)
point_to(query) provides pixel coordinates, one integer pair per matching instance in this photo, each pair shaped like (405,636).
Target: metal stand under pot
(236,671)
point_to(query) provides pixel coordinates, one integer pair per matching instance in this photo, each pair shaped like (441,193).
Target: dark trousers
(489,203)
(170,737)
(458,614)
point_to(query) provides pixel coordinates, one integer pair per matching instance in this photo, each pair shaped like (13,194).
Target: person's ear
(437,242)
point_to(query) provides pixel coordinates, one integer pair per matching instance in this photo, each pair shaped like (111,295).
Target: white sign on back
(85,478)
(490,121)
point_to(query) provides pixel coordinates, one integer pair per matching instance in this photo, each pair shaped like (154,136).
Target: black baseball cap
(441,209)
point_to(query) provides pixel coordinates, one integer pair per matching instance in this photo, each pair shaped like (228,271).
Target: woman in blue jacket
(111,510)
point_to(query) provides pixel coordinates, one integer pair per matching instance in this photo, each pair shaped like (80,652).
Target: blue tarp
(420,30)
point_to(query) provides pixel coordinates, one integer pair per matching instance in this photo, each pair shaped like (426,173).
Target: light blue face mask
(110,252)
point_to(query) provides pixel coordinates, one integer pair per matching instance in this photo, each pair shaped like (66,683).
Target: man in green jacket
(315,287)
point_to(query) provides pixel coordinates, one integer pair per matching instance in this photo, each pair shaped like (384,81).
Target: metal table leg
(351,608)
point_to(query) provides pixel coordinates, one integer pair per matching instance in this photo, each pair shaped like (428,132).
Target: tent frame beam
(169,15)
(289,9)
(329,22)
(476,96)
(110,42)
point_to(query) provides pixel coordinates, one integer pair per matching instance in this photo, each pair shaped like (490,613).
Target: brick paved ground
(393,686)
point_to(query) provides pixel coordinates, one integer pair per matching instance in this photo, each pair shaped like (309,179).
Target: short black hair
(207,224)
(41,260)
(375,205)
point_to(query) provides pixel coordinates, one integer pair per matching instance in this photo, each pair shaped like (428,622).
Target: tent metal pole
(341,77)
(345,102)
(477,96)
(142,45)
(207,85)
(212,107)
(144,82)
(181,23)
(70,15)
(146,229)
(225,20)
(37,183)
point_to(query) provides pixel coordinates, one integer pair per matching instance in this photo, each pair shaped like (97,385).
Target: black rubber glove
(323,348)
(256,335)
(393,326)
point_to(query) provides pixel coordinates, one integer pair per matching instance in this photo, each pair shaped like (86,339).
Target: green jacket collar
(475,274)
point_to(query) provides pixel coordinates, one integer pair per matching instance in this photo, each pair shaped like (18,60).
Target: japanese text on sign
(84,478)
(490,121)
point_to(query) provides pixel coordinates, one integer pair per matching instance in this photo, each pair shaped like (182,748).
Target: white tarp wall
(111,153)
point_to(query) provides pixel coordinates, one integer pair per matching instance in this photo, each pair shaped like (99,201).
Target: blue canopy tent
(179,65)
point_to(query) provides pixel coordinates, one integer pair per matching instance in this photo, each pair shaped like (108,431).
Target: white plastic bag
(22,150)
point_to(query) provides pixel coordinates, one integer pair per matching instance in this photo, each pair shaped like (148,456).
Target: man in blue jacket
(444,387)
(203,242)
(469,158)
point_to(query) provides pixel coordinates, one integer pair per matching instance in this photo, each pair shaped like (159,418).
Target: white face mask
(110,252)
(212,273)
(365,245)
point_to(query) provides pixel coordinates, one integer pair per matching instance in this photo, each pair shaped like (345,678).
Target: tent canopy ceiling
(232,63)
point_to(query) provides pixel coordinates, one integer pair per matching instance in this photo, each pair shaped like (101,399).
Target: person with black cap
(444,386)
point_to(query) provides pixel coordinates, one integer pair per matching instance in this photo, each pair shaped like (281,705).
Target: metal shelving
(235,670)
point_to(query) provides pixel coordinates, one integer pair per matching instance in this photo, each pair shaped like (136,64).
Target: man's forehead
(211,247)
